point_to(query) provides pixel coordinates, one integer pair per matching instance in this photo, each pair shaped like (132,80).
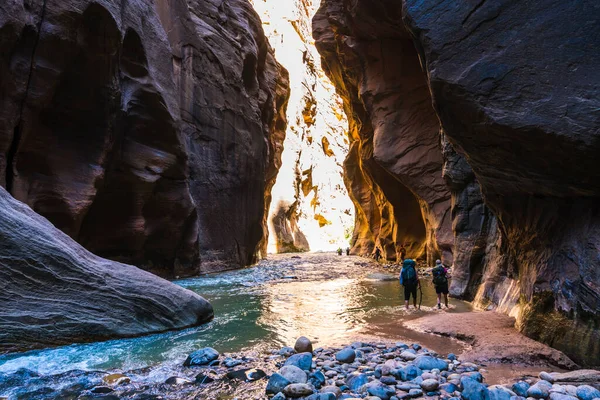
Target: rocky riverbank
(361,370)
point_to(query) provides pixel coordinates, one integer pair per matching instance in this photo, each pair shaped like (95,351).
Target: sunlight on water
(326,298)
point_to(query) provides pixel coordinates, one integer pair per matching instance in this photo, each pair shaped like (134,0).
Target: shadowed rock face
(394,167)
(150,149)
(54,292)
(516,88)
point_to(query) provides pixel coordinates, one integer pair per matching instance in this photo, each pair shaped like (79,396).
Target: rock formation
(53,291)
(149,133)
(311,209)
(394,167)
(515,88)
(515,98)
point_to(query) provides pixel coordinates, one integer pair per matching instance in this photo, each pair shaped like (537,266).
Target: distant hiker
(377,255)
(402,253)
(339,251)
(440,281)
(347,251)
(410,280)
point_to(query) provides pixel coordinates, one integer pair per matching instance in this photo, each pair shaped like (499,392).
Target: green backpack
(439,276)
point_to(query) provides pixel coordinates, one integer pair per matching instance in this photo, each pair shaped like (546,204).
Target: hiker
(377,255)
(347,251)
(339,251)
(410,280)
(402,253)
(440,281)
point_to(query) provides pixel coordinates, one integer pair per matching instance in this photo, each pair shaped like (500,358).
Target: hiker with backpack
(440,281)
(410,280)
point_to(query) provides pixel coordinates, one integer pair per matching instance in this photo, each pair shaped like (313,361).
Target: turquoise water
(330,299)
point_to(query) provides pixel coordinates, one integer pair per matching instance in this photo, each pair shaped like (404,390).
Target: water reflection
(332,300)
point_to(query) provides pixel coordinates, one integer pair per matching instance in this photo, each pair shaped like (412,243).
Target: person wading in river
(377,255)
(440,281)
(410,280)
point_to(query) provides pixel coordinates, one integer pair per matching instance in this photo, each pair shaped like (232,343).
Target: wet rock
(286,351)
(230,363)
(293,374)
(540,390)
(429,363)
(278,396)
(201,357)
(586,392)
(356,380)
(473,390)
(176,380)
(376,388)
(296,390)
(276,384)
(546,377)
(202,379)
(317,379)
(521,388)
(430,385)
(101,390)
(247,375)
(116,379)
(302,361)
(335,390)
(303,345)
(346,355)
(388,380)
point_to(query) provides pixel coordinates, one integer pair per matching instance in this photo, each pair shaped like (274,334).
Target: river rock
(176,380)
(520,388)
(278,396)
(286,351)
(497,393)
(408,355)
(293,374)
(430,385)
(561,396)
(247,374)
(588,376)
(408,373)
(302,361)
(473,390)
(276,384)
(201,357)
(388,380)
(303,345)
(346,355)
(317,379)
(116,379)
(430,363)
(376,388)
(202,379)
(586,392)
(356,380)
(540,390)
(296,390)
(546,377)
(335,390)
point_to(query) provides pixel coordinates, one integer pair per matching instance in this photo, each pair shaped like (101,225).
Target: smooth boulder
(276,384)
(302,361)
(303,345)
(346,355)
(201,357)
(293,374)
(67,294)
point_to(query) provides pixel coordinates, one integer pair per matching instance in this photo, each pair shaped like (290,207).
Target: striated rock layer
(508,191)
(53,291)
(516,88)
(149,133)
(394,167)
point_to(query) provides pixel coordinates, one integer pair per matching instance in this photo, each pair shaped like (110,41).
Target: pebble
(430,385)
(296,390)
(346,355)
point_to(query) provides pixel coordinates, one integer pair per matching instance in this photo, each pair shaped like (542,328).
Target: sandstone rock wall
(515,85)
(149,133)
(394,167)
(54,292)
(505,156)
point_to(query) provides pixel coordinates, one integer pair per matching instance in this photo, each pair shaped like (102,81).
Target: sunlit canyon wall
(310,209)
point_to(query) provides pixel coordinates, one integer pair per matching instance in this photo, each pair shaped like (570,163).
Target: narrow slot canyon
(267,199)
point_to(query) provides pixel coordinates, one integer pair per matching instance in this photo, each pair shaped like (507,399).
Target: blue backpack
(408,276)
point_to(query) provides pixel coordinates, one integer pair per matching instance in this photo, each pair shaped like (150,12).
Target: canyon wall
(150,132)
(311,209)
(502,97)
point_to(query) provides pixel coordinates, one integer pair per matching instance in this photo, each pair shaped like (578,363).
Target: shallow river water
(329,298)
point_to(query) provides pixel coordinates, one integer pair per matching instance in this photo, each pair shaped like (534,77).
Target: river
(329,298)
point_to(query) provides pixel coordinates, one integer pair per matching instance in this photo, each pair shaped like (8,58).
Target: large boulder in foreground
(54,292)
